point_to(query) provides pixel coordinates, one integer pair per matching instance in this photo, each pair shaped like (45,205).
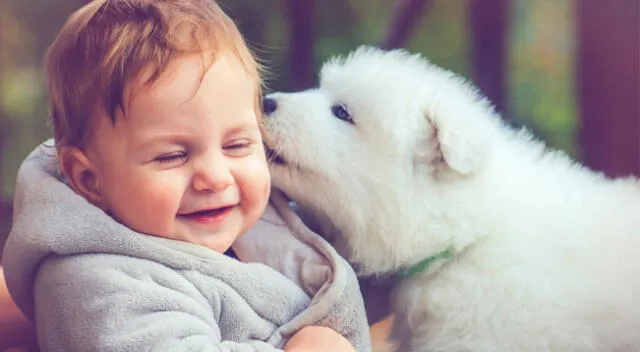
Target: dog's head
(372,139)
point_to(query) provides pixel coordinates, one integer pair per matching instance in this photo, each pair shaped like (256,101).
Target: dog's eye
(340,111)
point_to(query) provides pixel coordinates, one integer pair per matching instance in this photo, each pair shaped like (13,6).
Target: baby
(155,111)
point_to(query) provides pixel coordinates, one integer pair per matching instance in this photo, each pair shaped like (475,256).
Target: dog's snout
(269,105)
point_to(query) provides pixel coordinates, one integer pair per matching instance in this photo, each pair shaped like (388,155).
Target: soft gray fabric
(94,285)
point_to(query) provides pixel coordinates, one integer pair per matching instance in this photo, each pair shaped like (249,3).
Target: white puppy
(500,243)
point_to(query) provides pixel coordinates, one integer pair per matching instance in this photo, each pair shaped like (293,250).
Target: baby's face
(187,161)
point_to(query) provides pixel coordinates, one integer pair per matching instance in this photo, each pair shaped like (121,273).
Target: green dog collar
(426,263)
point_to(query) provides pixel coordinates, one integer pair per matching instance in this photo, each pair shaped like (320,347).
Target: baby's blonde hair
(106,43)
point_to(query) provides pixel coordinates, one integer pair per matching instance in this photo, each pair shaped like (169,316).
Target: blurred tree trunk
(250,18)
(489,27)
(301,38)
(405,18)
(608,84)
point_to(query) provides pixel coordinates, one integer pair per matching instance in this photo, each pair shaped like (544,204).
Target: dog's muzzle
(272,156)
(269,106)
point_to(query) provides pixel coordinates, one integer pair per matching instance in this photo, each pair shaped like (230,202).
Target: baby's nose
(214,175)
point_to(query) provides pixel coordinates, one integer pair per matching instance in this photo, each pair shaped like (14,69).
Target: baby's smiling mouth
(207,212)
(208,215)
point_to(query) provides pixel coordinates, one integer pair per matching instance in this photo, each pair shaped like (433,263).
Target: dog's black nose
(269,105)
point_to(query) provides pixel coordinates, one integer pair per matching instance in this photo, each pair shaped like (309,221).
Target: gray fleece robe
(92,284)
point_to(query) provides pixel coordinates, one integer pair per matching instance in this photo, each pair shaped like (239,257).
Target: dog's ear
(458,143)
(463,150)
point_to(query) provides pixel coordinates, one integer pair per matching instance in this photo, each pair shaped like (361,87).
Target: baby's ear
(81,175)
(461,136)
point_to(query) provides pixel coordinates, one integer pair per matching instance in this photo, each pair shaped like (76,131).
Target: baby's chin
(219,238)
(219,243)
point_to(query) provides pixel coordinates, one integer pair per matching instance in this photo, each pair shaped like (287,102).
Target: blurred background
(568,69)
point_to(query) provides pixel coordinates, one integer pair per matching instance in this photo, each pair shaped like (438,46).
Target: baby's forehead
(181,80)
(177,83)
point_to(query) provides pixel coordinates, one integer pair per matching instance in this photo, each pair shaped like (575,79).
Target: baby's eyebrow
(243,127)
(150,140)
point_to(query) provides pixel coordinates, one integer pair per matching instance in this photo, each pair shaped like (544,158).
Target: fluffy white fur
(547,252)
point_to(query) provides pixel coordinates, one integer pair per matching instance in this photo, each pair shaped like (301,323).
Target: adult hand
(318,339)
(15,330)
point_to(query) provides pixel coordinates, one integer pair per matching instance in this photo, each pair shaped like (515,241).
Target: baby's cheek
(255,183)
(267,185)
(261,180)
(158,207)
